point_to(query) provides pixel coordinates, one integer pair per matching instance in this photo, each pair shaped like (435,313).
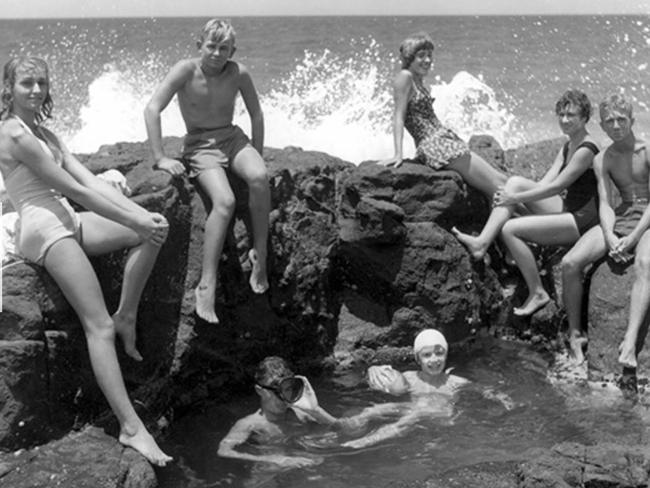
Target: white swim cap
(428,337)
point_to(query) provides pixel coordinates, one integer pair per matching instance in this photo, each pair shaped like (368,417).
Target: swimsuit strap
(420,88)
(589,145)
(46,144)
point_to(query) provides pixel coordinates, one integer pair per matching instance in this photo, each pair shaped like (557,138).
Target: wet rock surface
(85,459)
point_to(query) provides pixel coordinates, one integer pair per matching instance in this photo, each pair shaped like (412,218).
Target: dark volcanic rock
(297,317)
(574,465)
(46,375)
(396,254)
(86,459)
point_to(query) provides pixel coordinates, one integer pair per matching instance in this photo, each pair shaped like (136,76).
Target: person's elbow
(152,111)
(225,450)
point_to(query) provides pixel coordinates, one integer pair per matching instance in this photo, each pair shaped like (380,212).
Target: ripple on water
(554,403)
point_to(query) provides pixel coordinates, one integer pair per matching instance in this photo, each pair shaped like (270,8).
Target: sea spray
(342,106)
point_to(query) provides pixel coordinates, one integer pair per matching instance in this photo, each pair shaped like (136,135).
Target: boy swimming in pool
(207,87)
(286,402)
(432,388)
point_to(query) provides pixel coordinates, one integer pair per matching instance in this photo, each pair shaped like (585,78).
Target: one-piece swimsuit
(435,144)
(581,199)
(45,215)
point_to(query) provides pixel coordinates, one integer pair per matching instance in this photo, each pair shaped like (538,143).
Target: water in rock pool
(548,411)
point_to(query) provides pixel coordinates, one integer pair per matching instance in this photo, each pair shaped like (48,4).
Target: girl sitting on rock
(563,204)
(39,172)
(436,146)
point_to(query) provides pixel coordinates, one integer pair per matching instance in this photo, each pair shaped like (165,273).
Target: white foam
(328,103)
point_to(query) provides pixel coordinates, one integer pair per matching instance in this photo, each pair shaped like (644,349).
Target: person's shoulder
(235,68)
(251,421)
(455,380)
(590,144)
(403,78)
(641,145)
(11,129)
(185,68)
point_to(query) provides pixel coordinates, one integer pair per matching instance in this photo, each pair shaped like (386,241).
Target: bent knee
(224,205)
(103,328)
(570,264)
(258,178)
(642,264)
(516,183)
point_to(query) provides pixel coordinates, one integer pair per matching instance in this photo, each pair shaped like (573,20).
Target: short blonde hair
(412,45)
(218,30)
(615,102)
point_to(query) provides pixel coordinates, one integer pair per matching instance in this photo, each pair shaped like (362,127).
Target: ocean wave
(342,106)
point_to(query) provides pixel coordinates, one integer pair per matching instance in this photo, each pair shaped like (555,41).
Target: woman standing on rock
(557,220)
(39,172)
(436,146)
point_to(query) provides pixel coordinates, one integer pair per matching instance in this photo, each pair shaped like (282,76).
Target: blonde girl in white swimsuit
(39,172)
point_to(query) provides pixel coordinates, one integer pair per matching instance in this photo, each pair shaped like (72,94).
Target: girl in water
(39,172)
(436,146)
(563,204)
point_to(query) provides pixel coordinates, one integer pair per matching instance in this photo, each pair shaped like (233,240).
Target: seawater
(546,413)
(325,82)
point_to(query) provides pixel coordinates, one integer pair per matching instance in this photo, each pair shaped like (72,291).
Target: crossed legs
(68,264)
(478,245)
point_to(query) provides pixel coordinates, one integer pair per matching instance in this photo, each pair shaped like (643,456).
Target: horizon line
(567,14)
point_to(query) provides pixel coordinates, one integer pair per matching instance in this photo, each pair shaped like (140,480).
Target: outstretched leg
(101,236)
(249,166)
(214,187)
(477,172)
(478,245)
(548,230)
(68,265)
(589,248)
(639,302)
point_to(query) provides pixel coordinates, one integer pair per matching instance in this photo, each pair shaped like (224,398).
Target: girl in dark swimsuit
(556,220)
(436,146)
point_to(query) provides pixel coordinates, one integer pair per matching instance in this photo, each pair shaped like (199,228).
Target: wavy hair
(577,98)
(411,45)
(9,80)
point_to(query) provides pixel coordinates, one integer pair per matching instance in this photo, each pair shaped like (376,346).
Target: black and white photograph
(299,244)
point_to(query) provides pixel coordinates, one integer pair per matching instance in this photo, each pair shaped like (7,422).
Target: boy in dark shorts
(207,87)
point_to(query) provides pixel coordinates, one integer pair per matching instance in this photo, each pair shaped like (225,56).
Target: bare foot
(472,243)
(576,346)
(204,295)
(145,444)
(532,304)
(627,357)
(125,328)
(258,280)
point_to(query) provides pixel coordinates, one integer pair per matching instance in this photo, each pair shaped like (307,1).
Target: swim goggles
(288,389)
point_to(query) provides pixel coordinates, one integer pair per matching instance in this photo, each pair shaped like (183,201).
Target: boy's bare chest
(211,92)
(630,168)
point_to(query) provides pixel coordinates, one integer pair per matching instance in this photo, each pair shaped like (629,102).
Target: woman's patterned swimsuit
(435,144)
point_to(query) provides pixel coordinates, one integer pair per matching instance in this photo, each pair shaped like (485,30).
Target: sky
(227,8)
